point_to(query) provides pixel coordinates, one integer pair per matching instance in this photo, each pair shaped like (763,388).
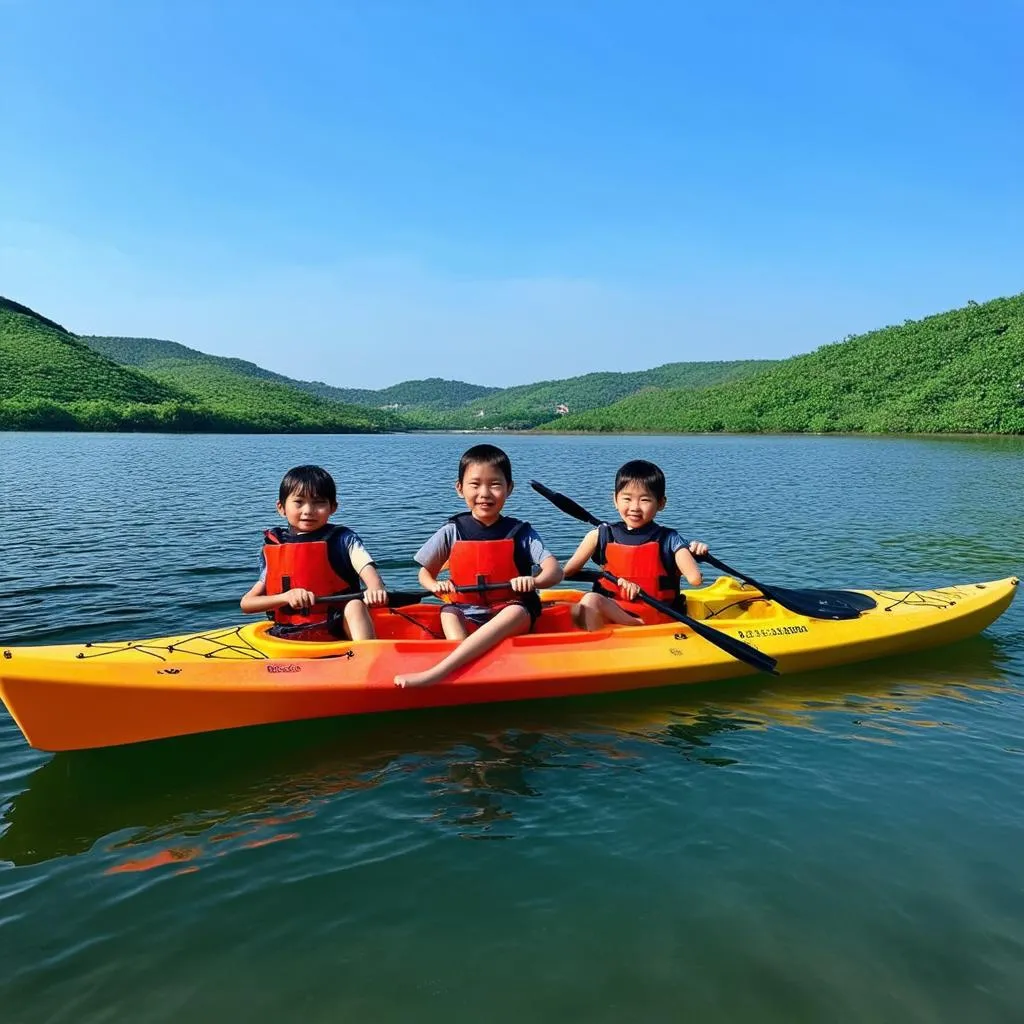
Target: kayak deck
(77,696)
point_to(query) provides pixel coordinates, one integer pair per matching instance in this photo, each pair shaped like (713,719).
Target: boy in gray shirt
(485,550)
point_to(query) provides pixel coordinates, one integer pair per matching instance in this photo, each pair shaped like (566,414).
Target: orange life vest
(310,561)
(487,554)
(643,557)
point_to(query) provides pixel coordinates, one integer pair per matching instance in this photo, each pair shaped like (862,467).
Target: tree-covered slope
(529,405)
(430,393)
(267,404)
(52,380)
(436,402)
(43,361)
(154,353)
(239,388)
(959,371)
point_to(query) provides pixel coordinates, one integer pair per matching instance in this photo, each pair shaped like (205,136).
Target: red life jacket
(313,561)
(643,557)
(487,554)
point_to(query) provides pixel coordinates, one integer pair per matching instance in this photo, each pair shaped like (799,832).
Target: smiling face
(485,490)
(305,512)
(636,504)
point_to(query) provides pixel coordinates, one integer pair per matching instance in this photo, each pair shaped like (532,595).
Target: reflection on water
(476,771)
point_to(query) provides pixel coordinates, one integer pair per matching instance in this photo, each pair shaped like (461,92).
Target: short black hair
(486,455)
(644,473)
(308,482)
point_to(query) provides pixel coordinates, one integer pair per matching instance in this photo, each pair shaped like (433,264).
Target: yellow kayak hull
(77,696)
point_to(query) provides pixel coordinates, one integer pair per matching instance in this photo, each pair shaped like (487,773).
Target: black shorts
(480,614)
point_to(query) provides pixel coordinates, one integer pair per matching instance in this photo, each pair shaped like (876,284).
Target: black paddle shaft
(816,604)
(400,598)
(737,648)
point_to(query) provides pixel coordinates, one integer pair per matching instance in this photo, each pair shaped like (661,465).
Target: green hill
(431,393)
(238,388)
(267,405)
(959,372)
(53,380)
(434,402)
(44,361)
(151,354)
(530,405)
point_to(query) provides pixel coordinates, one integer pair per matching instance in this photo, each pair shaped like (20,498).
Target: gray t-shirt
(433,556)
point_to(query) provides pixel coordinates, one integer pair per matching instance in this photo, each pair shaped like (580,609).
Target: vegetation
(956,372)
(433,403)
(432,393)
(959,371)
(44,362)
(266,405)
(533,404)
(52,380)
(151,354)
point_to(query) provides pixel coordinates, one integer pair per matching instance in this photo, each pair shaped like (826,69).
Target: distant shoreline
(533,432)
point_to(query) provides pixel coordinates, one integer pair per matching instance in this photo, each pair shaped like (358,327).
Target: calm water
(842,846)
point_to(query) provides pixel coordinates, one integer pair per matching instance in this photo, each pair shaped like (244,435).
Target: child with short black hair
(312,558)
(478,547)
(640,553)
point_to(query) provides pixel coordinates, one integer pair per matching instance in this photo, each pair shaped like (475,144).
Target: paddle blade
(823,604)
(814,603)
(565,503)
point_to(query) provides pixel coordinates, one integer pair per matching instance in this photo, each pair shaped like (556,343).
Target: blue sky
(507,191)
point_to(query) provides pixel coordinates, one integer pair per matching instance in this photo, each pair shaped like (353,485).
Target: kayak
(79,696)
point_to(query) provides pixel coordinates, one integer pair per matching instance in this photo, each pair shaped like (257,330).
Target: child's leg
(358,624)
(453,623)
(594,611)
(510,621)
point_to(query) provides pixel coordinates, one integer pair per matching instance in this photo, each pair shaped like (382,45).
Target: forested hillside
(532,404)
(959,371)
(151,354)
(52,380)
(431,393)
(268,405)
(435,403)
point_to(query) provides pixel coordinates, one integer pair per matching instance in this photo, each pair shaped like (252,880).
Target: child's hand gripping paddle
(815,604)
(737,648)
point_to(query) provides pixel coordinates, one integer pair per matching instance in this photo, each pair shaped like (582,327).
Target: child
(482,546)
(312,558)
(641,553)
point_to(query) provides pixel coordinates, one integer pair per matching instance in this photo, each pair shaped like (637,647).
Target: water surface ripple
(836,846)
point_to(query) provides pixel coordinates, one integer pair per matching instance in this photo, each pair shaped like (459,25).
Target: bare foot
(427,678)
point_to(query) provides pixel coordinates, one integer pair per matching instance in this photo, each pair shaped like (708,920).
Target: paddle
(737,648)
(401,598)
(815,604)
(396,598)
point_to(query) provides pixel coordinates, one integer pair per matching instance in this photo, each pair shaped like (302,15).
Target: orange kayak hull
(68,697)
